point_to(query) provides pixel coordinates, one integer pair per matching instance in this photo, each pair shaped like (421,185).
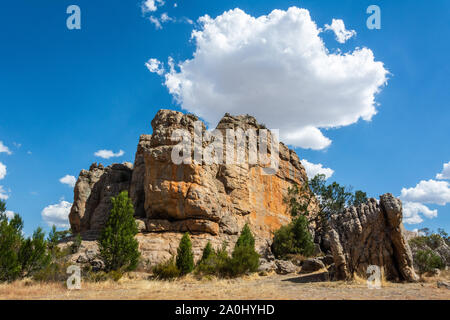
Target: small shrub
(215,264)
(207,252)
(115,275)
(185,256)
(54,272)
(427,260)
(167,270)
(293,238)
(244,257)
(76,244)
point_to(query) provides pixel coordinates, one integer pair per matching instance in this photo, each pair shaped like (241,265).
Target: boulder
(285,267)
(371,234)
(266,266)
(312,265)
(326,260)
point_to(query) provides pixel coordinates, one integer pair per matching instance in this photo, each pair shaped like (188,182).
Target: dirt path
(252,287)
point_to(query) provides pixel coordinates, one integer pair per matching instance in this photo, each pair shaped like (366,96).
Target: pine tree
(10,242)
(118,247)
(185,256)
(33,255)
(246,238)
(244,257)
(207,252)
(302,237)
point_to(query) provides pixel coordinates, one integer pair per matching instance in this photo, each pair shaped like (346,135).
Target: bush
(243,259)
(167,270)
(33,255)
(76,244)
(99,276)
(427,260)
(10,243)
(207,252)
(185,256)
(54,272)
(215,264)
(293,238)
(118,247)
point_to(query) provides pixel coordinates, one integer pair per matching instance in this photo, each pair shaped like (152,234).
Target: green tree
(54,237)
(33,255)
(293,238)
(10,242)
(244,257)
(118,247)
(245,238)
(207,252)
(185,256)
(359,198)
(427,260)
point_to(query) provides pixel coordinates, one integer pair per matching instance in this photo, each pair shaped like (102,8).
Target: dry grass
(246,288)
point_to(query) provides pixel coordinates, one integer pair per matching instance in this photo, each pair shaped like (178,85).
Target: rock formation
(211,201)
(371,234)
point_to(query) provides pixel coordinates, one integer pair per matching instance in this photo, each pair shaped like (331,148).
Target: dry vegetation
(137,286)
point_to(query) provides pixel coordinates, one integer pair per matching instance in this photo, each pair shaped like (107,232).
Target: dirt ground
(273,286)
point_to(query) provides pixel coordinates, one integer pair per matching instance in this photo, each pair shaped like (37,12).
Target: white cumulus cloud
(338,27)
(2,171)
(313,169)
(412,211)
(277,68)
(57,214)
(106,154)
(69,180)
(430,191)
(154,65)
(445,174)
(3,194)
(4,148)
(151,5)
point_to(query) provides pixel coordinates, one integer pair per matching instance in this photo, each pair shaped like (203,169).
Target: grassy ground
(250,287)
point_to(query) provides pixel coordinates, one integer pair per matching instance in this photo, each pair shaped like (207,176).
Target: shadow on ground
(308,278)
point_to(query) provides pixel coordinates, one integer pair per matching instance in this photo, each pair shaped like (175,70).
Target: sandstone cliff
(211,201)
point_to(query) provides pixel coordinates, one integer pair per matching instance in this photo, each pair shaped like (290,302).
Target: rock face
(212,201)
(93,192)
(371,234)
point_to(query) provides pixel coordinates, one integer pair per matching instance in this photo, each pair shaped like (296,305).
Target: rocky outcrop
(371,234)
(137,192)
(93,192)
(212,201)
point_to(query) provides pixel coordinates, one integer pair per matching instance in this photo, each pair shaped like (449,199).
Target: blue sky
(65,94)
